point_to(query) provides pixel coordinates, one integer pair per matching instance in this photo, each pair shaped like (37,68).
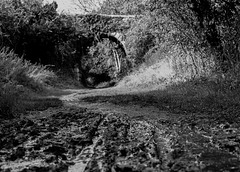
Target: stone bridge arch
(115,35)
(118,38)
(119,55)
(120,52)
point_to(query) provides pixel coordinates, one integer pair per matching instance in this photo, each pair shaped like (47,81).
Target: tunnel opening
(101,66)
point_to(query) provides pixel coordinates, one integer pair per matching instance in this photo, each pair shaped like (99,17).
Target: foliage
(87,6)
(147,31)
(205,24)
(210,26)
(16,76)
(127,7)
(140,40)
(196,26)
(9,100)
(93,24)
(229,81)
(29,27)
(20,71)
(101,59)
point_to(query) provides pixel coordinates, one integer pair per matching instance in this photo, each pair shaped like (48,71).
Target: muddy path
(89,132)
(75,139)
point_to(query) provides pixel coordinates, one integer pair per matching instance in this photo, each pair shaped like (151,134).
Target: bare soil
(117,131)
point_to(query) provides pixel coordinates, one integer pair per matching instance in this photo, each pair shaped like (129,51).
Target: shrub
(167,64)
(16,76)
(9,100)
(102,61)
(140,40)
(29,27)
(204,24)
(21,72)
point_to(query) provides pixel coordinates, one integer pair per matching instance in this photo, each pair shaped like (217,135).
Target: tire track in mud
(123,144)
(89,136)
(82,160)
(128,142)
(76,139)
(47,140)
(127,145)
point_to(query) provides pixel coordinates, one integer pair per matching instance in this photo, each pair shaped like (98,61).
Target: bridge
(115,32)
(100,30)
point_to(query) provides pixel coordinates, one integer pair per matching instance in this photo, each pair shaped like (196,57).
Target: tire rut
(127,145)
(77,139)
(48,140)
(99,136)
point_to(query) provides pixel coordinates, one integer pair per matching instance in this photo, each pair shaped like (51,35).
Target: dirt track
(91,133)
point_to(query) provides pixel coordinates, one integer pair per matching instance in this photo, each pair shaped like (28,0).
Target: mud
(75,139)
(99,136)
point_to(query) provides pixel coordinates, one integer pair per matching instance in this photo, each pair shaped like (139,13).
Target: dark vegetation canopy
(39,34)
(188,121)
(197,108)
(192,24)
(36,32)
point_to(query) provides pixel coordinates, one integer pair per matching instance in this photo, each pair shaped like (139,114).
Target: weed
(16,76)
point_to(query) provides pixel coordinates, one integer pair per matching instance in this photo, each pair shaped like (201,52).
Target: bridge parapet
(98,30)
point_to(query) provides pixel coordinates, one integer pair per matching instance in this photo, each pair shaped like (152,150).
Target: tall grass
(184,82)
(167,64)
(22,72)
(9,100)
(16,76)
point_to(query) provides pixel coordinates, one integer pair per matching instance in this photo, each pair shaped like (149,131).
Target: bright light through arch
(70,6)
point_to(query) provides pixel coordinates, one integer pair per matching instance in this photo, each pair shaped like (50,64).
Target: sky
(66,6)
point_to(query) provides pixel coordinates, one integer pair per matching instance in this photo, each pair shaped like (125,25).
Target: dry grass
(168,65)
(21,72)
(183,82)
(18,78)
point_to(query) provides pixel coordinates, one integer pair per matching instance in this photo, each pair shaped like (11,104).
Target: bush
(102,58)
(104,63)
(21,72)
(229,81)
(205,24)
(37,32)
(167,64)
(16,76)
(9,100)
(140,40)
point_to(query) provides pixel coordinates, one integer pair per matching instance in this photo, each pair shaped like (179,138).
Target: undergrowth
(184,81)
(18,78)
(198,96)
(65,79)
(168,64)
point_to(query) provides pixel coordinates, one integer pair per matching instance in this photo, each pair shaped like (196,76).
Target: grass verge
(182,82)
(18,80)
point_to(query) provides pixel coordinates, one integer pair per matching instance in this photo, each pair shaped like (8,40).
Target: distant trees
(126,7)
(195,24)
(37,32)
(87,6)
(139,38)
(210,24)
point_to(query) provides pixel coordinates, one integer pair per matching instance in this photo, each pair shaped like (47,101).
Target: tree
(29,27)
(87,6)
(123,7)
(195,24)
(214,23)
